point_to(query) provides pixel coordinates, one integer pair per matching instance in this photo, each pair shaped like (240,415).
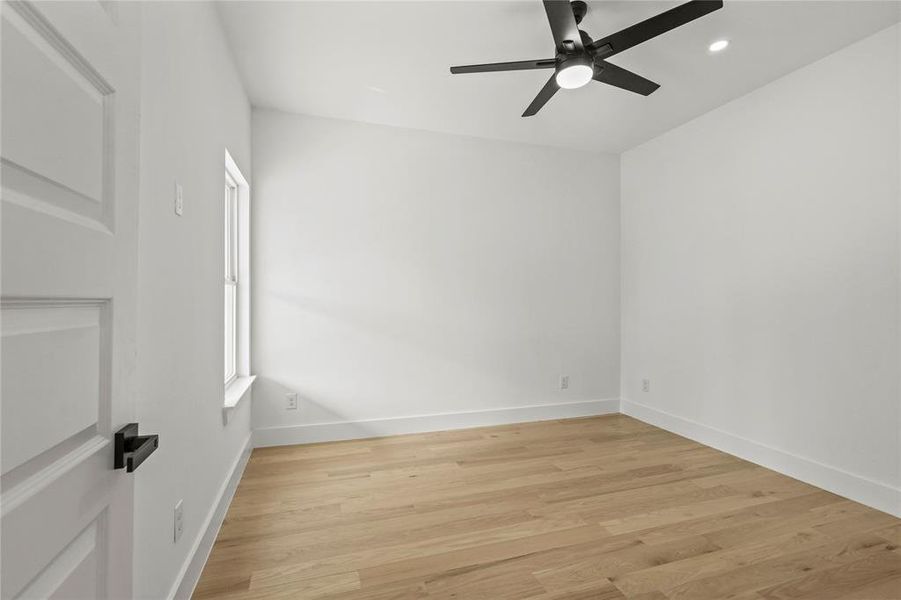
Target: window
(236,288)
(231,278)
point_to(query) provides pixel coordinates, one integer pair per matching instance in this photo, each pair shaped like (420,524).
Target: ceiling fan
(578,59)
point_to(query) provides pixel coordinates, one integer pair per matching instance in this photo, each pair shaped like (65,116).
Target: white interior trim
(875,494)
(351,430)
(242,363)
(232,167)
(235,392)
(190,572)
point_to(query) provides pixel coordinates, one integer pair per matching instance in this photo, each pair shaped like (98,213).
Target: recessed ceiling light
(718,46)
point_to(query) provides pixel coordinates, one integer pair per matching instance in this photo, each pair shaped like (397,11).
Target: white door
(69,74)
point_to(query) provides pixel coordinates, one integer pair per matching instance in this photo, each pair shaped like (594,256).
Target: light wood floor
(584,509)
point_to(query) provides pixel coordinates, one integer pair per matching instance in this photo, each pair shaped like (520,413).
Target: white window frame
(236,266)
(230,307)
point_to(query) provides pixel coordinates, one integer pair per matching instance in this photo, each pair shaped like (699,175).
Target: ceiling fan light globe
(574,76)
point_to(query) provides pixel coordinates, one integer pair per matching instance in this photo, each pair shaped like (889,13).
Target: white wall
(761,274)
(401,273)
(193,107)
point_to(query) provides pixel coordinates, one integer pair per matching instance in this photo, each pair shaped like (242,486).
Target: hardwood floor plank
(671,575)
(838,582)
(676,514)
(600,590)
(780,569)
(891,533)
(600,508)
(885,589)
(488,552)
(319,586)
(750,518)
(486,581)
(635,558)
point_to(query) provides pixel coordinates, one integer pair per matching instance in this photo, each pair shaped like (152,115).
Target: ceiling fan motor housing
(564,61)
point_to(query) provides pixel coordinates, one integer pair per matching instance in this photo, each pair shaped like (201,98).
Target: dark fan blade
(550,88)
(619,77)
(548,63)
(563,25)
(642,32)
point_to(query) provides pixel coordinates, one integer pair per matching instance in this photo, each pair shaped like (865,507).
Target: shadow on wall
(490,347)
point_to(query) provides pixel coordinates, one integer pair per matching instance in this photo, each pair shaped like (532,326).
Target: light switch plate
(178,522)
(179,200)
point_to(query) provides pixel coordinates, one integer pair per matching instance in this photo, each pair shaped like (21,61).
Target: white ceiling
(387,62)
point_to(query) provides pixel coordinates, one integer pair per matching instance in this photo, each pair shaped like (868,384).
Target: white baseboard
(352,430)
(860,489)
(193,567)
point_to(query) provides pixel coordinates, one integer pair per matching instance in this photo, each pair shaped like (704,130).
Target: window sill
(235,392)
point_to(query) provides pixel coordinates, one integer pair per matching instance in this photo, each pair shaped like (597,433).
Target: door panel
(68,223)
(52,93)
(72,571)
(51,373)
(56,97)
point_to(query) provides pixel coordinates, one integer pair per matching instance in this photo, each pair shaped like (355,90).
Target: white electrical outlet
(179,522)
(564,382)
(645,385)
(179,200)
(291,401)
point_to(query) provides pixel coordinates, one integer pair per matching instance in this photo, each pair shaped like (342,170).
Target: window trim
(237,387)
(231,274)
